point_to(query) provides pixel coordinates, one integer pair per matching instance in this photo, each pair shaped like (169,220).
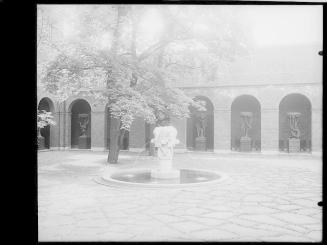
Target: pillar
(98,130)
(222,130)
(54,131)
(269,130)
(316,129)
(67,130)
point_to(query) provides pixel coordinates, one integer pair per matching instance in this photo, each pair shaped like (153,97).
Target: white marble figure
(165,139)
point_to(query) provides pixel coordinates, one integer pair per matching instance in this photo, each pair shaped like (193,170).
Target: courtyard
(262,198)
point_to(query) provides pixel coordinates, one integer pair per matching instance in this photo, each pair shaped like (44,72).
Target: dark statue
(201,124)
(83,123)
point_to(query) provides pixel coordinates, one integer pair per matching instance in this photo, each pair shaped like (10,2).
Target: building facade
(270,84)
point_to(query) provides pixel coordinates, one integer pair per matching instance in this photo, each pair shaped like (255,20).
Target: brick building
(271,82)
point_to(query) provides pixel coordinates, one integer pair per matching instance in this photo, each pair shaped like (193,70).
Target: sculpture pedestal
(83,142)
(40,142)
(165,171)
(293,145)
(245,144)
(201,143)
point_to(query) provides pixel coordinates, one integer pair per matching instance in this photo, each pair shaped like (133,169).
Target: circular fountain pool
(142,177)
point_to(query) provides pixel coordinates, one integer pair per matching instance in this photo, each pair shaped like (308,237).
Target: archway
(194,122)
(124,143)
(47,105)
(246,124)
(290,104)
(80,124)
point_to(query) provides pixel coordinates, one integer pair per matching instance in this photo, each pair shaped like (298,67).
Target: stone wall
(222,97)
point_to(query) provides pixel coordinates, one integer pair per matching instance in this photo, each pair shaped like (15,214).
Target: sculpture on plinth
(83,120)
(294,138)
(245,142)
(165,140)
(201,125)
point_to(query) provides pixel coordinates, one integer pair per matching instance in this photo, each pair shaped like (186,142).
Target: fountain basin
(144,178)
(159,174)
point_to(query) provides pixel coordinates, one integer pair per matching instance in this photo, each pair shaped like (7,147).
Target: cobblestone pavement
(264,198)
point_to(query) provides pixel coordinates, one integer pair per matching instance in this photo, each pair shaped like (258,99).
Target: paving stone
(246,231)
(196,211)
(288,207)
(256,210)
(257,198)
(247,203)
(205,221)
(188,226)
(290,238)
(295,218)
(263,219)
(214,235)
(167,218)
(315,235)
(219,215)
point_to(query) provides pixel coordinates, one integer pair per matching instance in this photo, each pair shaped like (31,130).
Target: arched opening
(246,124)
(80,124)
(295,124)
(124,143)
(200,127)
(47,105)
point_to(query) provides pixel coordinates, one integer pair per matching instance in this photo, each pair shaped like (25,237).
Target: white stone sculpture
(165,140)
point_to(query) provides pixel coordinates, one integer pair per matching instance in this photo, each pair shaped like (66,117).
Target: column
(316,130)
(222,130)
(269,130)
(54,132)
(98,130)
(66,131)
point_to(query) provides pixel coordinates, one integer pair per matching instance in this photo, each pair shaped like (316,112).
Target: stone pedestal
(165,170)
(245,144)
(293,145)
(41,142)
(200,144)
(83,142)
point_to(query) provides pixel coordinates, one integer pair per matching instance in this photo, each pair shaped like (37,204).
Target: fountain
(163,175)
(165,140)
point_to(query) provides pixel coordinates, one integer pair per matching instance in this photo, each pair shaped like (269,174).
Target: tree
(134,72)
(44,118)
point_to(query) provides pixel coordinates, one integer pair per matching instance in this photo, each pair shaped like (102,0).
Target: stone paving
(264,198)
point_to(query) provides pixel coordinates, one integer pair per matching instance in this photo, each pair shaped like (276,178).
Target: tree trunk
(114,140)
(114,122)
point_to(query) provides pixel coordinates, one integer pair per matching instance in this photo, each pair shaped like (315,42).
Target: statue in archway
(83,123)
(294,139)
(201,124)
(83,140)
(245,141)
(247,118)
(293,122)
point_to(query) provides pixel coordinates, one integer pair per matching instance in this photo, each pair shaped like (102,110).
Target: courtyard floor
(263,198)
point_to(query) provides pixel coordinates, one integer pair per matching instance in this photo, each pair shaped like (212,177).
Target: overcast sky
(292,24)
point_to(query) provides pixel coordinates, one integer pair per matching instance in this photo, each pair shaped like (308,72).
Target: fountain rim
(107,181)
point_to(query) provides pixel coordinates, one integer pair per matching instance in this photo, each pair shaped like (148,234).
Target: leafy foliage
(117,62)
(44,118)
